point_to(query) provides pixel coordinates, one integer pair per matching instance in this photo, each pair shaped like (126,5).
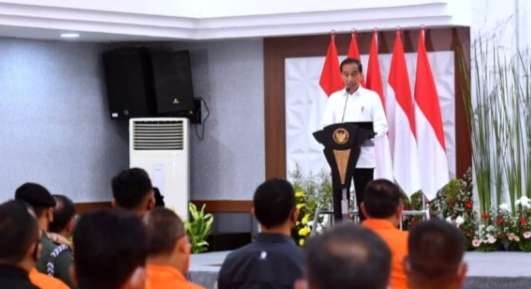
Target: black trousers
(361,178)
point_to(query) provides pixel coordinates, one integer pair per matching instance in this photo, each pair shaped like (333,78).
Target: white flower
(511,236)
(504,207)
(524,201)
(476,243)
(491,239)
(490,228)
(449,220)
(459,221)
(527,234)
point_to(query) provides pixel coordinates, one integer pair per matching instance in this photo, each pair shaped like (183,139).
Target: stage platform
(497,270)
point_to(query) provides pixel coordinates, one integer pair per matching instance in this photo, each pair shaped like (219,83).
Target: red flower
(485,216)
(499,220)
(468,205)
(523,220)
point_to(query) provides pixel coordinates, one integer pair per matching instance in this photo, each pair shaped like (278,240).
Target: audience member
(110,251)
(132,191)
(44,281)
(19,245)
(273,260)
(168,249)
(159,198)
(346,257)
(435,259)
(383,207)
(53,260)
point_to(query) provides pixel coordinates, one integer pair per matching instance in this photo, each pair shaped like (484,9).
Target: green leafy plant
(198,227)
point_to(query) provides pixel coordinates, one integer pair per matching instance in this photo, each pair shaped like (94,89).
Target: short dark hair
(130,187)
(381,198)
(35,195)
(164,228)
(351,61)
(109,246)
(18,231)
(274,201)
(64,211)
(348,257)
(435,240)
(159,198)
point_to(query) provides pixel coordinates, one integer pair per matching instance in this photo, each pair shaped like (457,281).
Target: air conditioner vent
(158,135)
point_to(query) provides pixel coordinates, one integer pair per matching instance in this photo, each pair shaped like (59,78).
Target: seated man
(383,207)
(169,251)
(272,260)
(19,245)
(435,258)
(64,220)
(44,281)
(346,257)
(132,191)
(110,251)
(53,260)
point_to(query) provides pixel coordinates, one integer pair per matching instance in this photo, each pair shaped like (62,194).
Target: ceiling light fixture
(70,35)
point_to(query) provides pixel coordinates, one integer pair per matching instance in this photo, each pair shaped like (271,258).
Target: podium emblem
(340,136)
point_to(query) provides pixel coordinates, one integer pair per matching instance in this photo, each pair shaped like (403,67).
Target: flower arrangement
(310,192)
(500,229)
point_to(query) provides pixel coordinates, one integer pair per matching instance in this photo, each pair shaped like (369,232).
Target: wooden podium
(342,144)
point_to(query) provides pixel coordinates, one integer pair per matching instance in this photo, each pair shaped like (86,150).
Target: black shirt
(272,261)
(15,278)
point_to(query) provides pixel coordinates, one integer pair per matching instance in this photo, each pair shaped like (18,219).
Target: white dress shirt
(361,105)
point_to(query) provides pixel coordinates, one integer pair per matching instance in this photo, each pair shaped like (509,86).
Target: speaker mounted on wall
(149,82)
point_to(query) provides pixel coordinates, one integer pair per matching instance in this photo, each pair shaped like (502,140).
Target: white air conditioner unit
(161,147)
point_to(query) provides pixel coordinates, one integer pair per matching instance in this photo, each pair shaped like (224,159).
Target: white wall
(226,8)
(154,7)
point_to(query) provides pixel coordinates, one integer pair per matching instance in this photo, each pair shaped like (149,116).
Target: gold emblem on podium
(340,136)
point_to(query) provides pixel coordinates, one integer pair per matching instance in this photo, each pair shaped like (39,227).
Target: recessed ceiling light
(70,35)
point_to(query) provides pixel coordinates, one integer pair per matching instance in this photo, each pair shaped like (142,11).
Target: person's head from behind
(167,240)
(435,259)
(110,250)
(382,200)
(132,191)
(19,235)
(274,205)
(40,200)
(347,257)
(351,73)
(159,198)
(63,216)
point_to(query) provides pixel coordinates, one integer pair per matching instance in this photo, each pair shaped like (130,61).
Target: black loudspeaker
(128,83)
(145,83)
(172,81)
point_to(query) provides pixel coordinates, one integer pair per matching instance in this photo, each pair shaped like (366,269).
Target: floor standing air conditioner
(161,147)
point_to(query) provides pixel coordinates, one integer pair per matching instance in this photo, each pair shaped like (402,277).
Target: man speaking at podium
(356,104)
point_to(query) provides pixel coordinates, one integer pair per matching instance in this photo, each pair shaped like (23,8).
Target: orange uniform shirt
(166,277)
(397,242)
(44,281)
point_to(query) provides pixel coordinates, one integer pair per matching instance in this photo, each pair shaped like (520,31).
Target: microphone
(345,105)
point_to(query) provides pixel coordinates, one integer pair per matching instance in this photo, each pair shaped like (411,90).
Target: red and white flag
(433,161)
(331,80)
(384,166)
(354,52)
(402,126)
